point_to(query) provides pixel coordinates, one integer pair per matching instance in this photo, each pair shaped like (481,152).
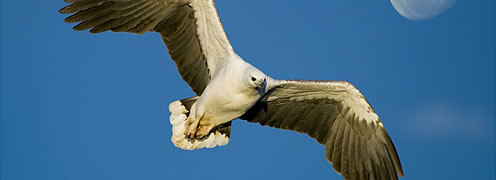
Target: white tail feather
(178,120)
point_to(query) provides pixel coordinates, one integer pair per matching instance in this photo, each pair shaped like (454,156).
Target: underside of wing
(337,116)
(191,30)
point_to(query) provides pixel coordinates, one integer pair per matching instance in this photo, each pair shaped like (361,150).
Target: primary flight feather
(335,113)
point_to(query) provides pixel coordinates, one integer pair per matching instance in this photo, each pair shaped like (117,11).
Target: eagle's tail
(218,136)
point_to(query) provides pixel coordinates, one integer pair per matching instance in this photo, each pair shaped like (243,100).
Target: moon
(418,10)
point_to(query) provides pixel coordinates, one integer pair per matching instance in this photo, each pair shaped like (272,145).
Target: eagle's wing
(191,30)
(337,115)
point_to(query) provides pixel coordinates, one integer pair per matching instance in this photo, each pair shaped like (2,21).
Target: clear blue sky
(81,106)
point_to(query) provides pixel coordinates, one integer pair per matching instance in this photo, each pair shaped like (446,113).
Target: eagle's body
(230,92)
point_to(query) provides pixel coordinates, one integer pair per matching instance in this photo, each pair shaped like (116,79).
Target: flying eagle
(335,113)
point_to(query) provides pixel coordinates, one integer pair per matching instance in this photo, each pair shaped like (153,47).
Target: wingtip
(395,156)
(96,31)
(81,27)
(65,10)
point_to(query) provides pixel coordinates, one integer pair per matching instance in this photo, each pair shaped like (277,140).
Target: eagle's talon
(203,131)
(192,129)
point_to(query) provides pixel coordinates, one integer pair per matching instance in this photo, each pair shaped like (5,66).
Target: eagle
(227,87)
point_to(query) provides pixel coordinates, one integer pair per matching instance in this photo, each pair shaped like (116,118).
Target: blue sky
(81,106)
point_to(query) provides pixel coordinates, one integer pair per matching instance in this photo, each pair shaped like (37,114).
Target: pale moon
(418,10)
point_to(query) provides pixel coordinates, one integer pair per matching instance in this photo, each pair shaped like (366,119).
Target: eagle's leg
(192,129)
(180,111)
(199,128)
(205,127)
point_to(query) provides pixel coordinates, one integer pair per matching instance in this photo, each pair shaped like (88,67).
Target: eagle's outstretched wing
(191,30)
(337,115)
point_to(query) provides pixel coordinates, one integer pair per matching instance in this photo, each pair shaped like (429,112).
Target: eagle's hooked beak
(262,87)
